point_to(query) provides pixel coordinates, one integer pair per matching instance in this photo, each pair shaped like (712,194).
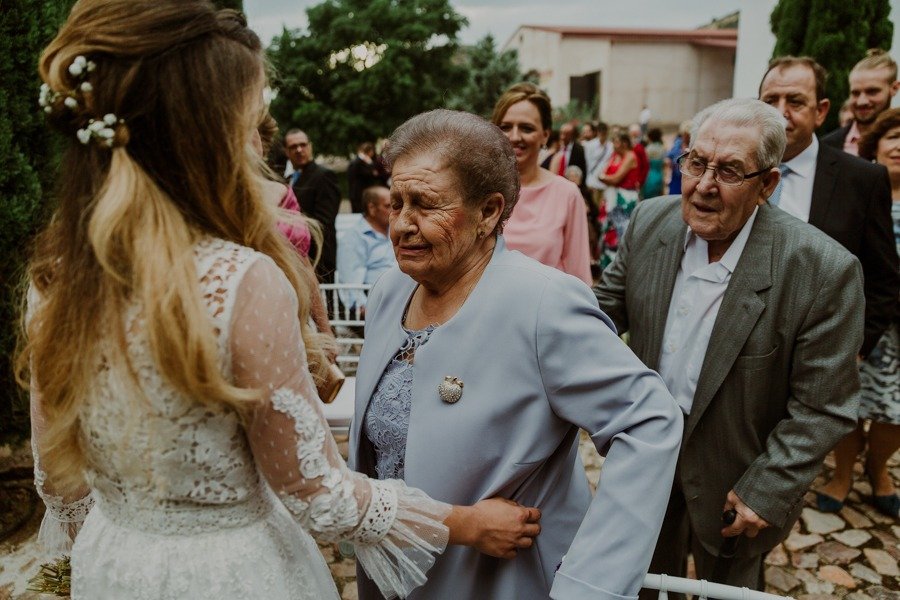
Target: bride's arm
(65,511)
(398,530)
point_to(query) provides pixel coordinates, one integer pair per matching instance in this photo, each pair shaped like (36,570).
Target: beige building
(674,72)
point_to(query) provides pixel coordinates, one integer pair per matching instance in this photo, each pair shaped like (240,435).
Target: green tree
(489,73)
(362,67)
(27,159)
(836,34)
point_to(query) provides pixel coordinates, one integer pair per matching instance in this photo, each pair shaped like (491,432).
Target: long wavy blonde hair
(186,81)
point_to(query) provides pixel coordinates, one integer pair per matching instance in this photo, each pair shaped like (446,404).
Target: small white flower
(109,119)
(95,125)
(80,61)
(84,136)
(87,87)
(106,133)
(70,102)
(48,109)
(76,70)
(91,65)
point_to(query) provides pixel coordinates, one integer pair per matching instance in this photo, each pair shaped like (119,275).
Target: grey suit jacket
(538,360)
(778,386)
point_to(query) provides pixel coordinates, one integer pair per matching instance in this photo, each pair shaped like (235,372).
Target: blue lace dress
(387,419)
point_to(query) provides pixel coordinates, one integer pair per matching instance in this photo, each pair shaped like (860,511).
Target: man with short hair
(571,152)
(873,83)
(365,251)
(753,319)
(317,192)
(844,196)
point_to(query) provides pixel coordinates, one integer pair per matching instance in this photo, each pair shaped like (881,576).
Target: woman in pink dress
(549,222)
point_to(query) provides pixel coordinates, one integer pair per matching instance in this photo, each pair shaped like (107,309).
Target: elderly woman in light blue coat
(481,365)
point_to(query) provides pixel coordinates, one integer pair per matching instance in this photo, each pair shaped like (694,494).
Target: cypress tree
(836,33)
(27,161)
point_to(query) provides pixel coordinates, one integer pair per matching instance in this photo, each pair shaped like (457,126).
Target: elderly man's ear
(770,183)
(491,211)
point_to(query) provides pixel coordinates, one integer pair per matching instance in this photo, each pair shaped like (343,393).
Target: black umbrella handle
(729,546)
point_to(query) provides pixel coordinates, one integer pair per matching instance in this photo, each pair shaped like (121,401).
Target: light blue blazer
(538,360)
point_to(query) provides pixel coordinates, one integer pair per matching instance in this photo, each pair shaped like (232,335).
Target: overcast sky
(502,17)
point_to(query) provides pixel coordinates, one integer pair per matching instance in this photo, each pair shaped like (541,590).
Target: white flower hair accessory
(103,131)
(79,69)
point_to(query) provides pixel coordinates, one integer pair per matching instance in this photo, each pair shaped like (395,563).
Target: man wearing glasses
(753,319)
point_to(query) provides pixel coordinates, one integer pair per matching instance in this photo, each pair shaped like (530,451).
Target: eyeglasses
(695,167)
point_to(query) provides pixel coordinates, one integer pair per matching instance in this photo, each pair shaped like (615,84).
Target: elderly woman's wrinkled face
(432,230)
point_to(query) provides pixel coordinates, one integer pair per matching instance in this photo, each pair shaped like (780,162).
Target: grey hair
(476,152)
(750,112)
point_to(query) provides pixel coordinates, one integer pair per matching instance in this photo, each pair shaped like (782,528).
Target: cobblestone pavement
(852,555)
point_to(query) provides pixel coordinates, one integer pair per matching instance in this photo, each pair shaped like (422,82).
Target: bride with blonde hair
(177,432)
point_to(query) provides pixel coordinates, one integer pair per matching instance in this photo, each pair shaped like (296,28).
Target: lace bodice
(387,419)
(166,464)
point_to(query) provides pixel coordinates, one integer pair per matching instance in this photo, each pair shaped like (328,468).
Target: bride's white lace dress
(183,501)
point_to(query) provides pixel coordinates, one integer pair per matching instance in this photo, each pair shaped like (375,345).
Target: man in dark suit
(753,319)
(873,83)
(362,173)
(842,195)
(850,200)
(317,192)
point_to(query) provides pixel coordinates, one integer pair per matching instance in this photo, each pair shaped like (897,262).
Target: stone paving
(852,555)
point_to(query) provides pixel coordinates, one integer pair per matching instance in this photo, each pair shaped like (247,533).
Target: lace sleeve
(65,513)
(398,530)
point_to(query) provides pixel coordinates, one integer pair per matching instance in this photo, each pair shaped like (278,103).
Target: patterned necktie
(562,162)
(775,198)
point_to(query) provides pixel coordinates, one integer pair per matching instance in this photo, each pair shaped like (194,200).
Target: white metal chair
(343,319)
(703,589)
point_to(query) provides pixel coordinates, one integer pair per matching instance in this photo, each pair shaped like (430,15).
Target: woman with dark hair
(168,349)
(622,179)
(879,373)
(656,154)
(549,224)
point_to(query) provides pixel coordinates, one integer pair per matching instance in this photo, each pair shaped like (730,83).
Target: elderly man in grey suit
(753,319)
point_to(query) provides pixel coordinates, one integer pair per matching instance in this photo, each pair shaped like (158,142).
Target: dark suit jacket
(835,138)
(360,175)
(319,197)
(851,202)
(779,382)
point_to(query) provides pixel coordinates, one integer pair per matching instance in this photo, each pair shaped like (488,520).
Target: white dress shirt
(699,288)
(796,193)
(596,155)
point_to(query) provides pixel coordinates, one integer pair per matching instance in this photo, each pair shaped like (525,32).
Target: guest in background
(294,226)
(656,155)
(481,365)
(364,251)
(640,152)
(362,173)
(317,192)
(549,223)
(549,149)
(679,146)
(622,180)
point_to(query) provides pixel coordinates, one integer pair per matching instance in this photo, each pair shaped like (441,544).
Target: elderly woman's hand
(497,526)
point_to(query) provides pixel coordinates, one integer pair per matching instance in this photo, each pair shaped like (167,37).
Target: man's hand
(747,522)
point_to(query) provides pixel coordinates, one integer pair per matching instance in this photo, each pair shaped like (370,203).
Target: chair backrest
(347,322)
(703,589)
